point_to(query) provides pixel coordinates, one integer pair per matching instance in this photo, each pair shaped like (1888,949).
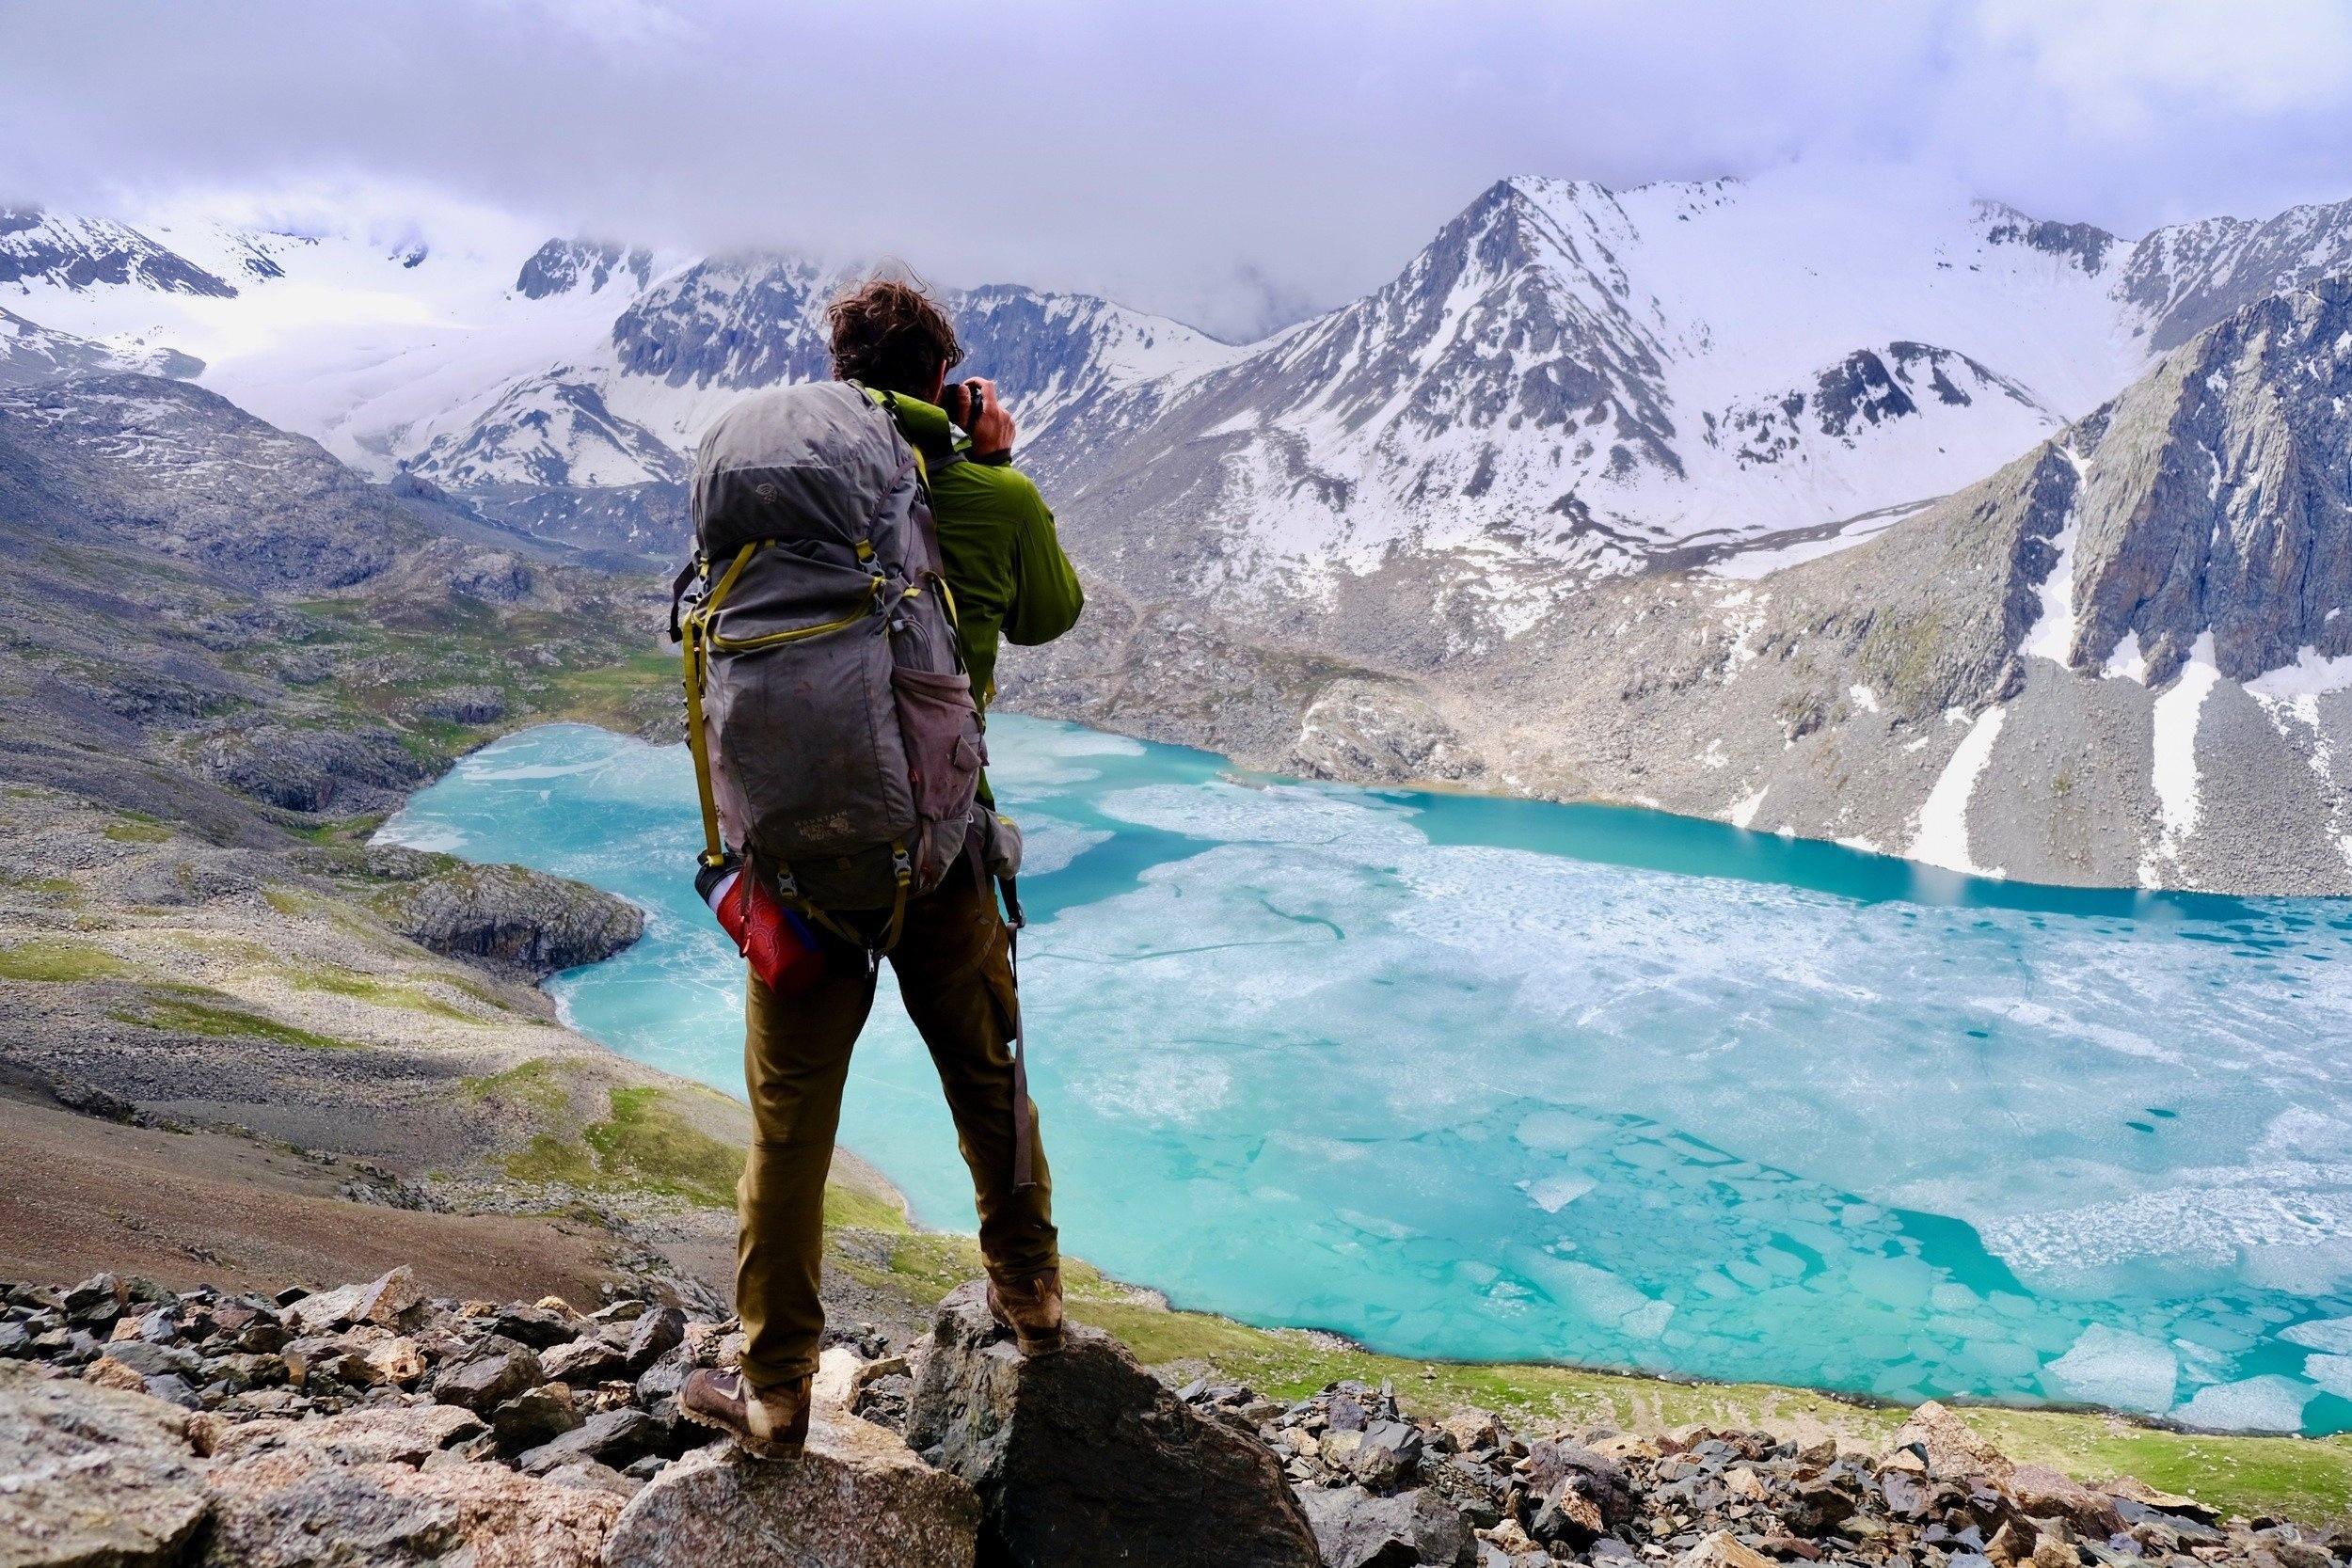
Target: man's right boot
(1032,1309)
(770,1422)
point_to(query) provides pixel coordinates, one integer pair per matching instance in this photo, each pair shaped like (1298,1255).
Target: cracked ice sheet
(1310,1067)
(1365,988)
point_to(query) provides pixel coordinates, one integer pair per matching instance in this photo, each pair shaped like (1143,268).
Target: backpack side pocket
(941,727)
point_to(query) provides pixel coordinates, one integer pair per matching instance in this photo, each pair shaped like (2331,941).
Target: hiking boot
(1032,1309)
(770,1422)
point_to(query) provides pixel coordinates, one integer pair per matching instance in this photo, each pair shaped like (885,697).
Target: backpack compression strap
(695,658)
(698,637)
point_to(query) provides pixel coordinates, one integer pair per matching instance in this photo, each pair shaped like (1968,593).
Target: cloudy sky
(1235,164)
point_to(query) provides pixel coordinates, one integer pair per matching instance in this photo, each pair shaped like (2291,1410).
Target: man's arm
(1046,599)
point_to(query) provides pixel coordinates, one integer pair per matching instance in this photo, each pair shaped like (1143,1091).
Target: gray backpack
(835,742)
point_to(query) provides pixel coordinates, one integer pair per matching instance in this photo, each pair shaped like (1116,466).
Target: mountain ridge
(1562,509)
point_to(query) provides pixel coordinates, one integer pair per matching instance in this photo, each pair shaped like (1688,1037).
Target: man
(1010,579)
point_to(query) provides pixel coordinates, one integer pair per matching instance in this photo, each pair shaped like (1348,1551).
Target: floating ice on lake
(2270,1403)
(2129,1371)
(1302,1060)
(2327,1334)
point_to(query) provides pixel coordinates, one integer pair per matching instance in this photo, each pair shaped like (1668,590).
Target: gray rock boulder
(857,1497)
(534,1418)
(613,1438)
(1597,1477)
(384,1301)
(658,1333)
(154,1360)
(369,1436)
(506,915)
(540,1327)
(1355,1529)
(498,1370)
(298,1508)
(92,1476)
(584,1363)
(1084,1457)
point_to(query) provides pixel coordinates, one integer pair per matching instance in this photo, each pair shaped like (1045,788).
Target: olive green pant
(954,966)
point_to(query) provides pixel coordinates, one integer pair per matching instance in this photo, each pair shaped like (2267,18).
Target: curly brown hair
(891,335)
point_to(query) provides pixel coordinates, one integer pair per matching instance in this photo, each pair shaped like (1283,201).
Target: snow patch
(1943,836)
(2052,636)
(1743,811)
(2174,770)
(2310,675)
(2128,662)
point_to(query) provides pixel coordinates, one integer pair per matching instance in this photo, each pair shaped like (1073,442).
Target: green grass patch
(179,1014)
(644,1144)
(534,1085)
(377,991)
(50,890)
(133,827)
(548,1158)
(650,1144)
(59,959)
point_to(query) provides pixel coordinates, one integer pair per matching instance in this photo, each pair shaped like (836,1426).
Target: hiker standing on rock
(856,565)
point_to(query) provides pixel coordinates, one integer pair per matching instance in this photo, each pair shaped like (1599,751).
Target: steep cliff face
(2217,503)
(2120,659)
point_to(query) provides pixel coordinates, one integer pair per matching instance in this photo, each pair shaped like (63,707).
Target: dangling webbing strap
(1023,1138)
(695,657)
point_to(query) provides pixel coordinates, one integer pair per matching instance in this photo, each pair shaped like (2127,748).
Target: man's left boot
(771,1422)
(1032,1309)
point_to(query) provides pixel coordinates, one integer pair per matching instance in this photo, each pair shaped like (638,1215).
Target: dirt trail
(83,1195)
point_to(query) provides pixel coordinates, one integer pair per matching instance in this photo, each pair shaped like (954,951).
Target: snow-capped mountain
(1571,382)
(30,351)
(82,253)
(627,411)
(341,327)
(1568,383)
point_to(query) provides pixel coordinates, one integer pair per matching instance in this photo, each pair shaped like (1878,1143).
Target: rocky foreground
(369,1425)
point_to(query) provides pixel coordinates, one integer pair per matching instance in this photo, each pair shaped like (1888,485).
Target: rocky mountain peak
(2083,245)
(562,266)
(742,321)
(81,252)
(2218,496)
(2184,279)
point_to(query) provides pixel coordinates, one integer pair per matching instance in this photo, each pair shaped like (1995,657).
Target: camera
(964,400)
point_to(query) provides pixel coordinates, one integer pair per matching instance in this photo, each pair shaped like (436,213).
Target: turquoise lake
(1483,1079)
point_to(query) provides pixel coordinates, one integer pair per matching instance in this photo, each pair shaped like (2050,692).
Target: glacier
(1490,1079)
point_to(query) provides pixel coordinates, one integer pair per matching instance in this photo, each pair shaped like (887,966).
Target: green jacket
(1004,561)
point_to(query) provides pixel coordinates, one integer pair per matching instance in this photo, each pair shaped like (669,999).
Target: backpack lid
(811,461)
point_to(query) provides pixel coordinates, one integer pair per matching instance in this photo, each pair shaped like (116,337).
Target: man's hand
(992,429)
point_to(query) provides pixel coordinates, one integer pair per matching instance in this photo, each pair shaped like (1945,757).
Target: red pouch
(777,943)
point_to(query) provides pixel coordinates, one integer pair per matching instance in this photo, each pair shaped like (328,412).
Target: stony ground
(370,1424)
(1470,1489)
